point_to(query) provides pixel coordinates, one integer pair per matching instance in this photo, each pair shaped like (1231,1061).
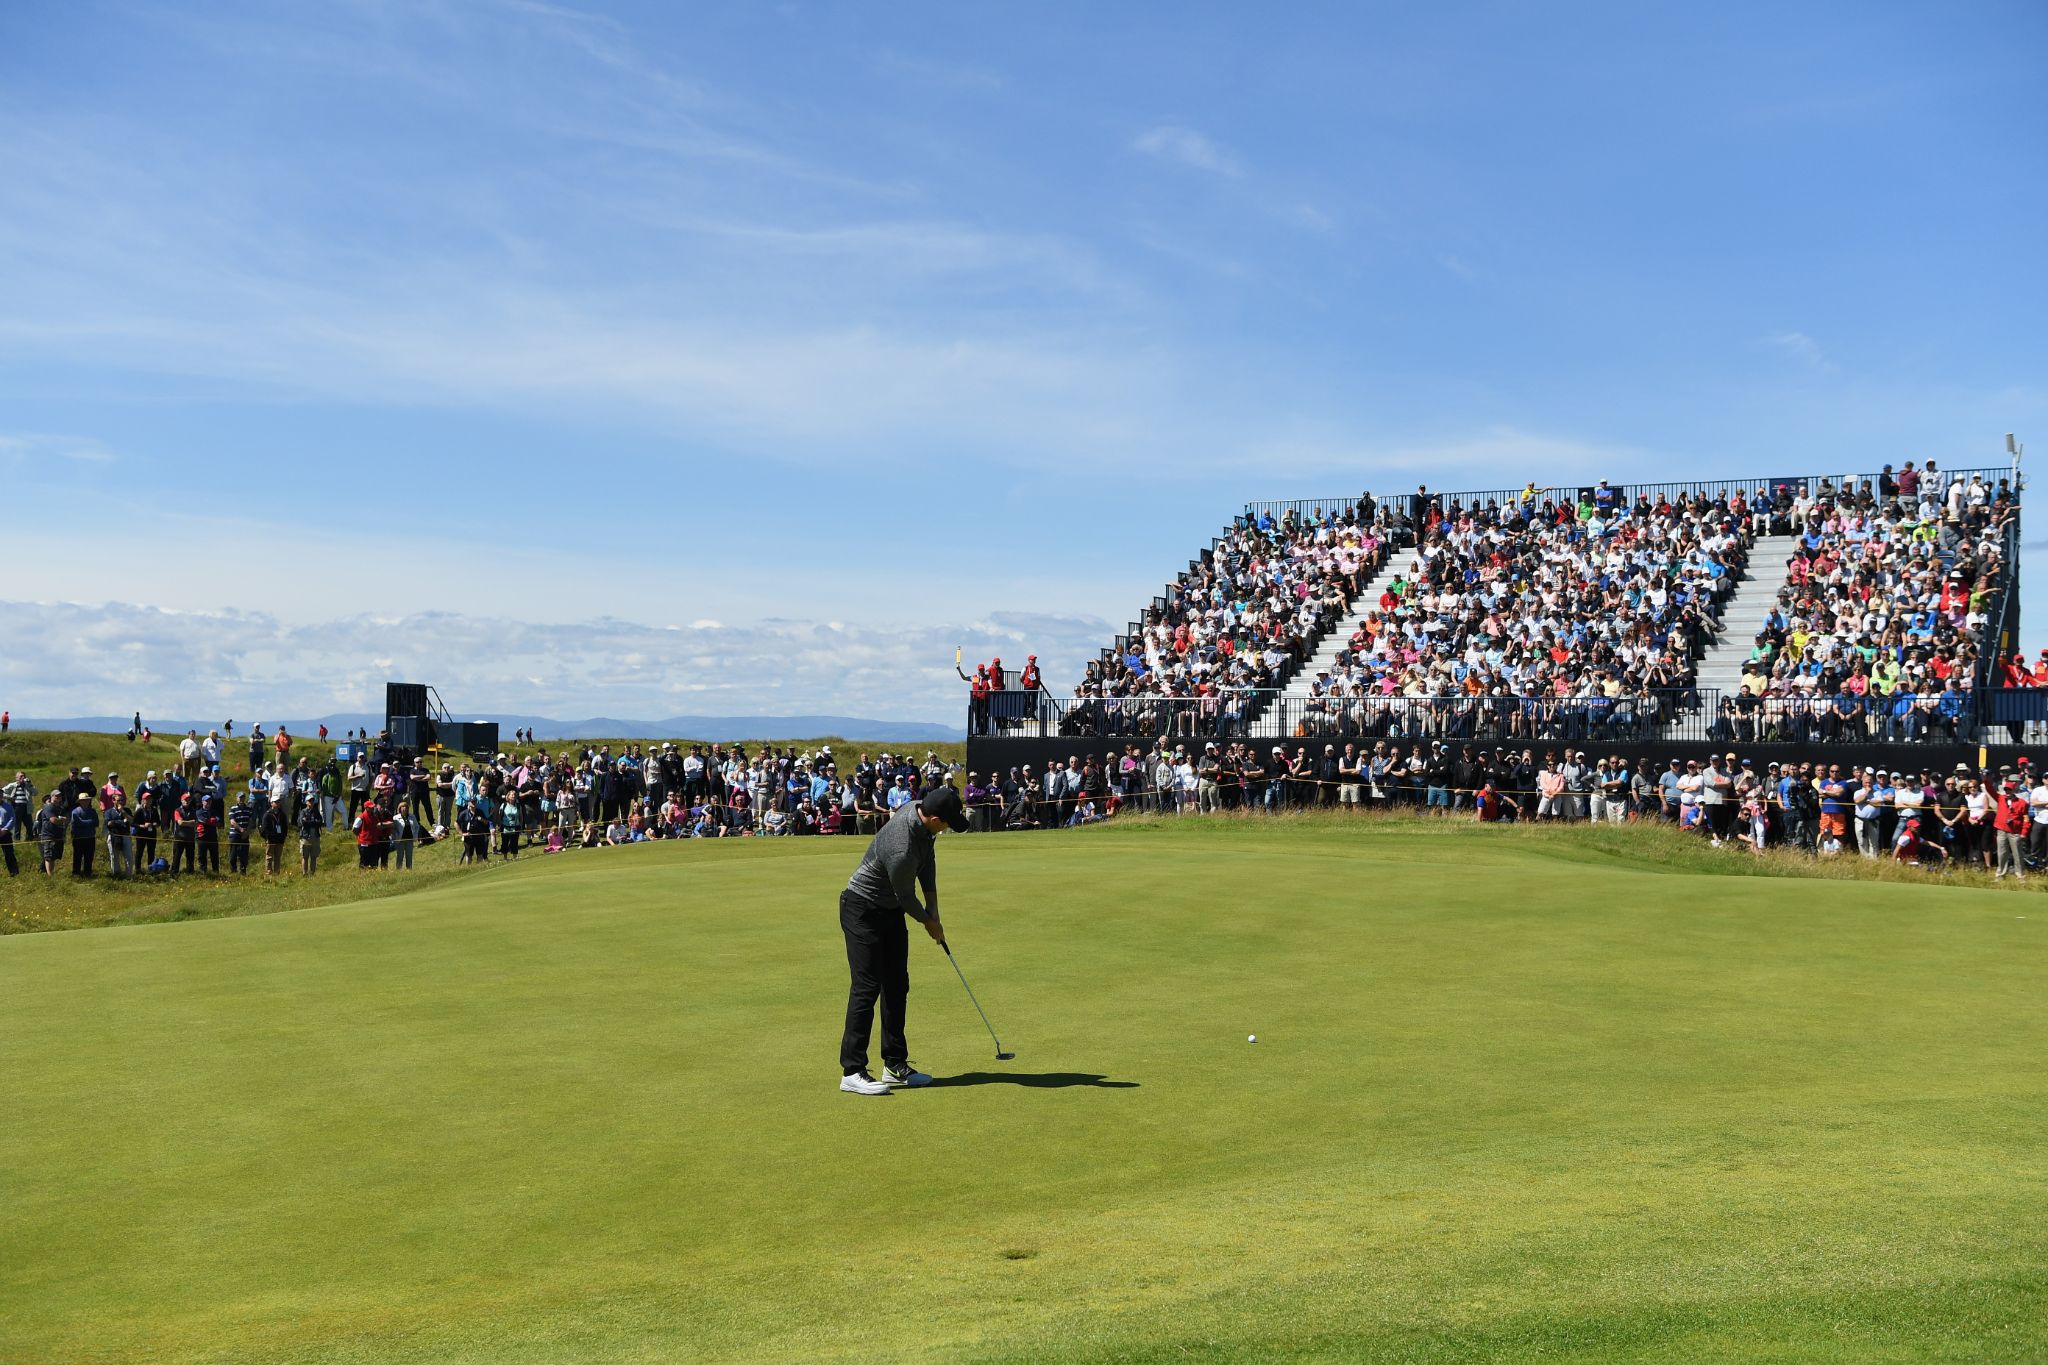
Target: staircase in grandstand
(1720,671)
(1274,722)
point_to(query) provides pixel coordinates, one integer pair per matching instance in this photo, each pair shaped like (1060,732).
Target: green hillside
(1516,1095)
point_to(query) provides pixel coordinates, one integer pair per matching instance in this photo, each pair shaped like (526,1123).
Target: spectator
(404,830)
(10,823)
(369,830)
(274,826)
(241,823)
(312,825)
(2010,819)
(120,841)
(85,834)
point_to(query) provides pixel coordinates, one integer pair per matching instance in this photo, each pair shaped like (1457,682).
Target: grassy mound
(1513,1097)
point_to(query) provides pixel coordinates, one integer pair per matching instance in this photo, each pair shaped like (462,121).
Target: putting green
(1512,1097)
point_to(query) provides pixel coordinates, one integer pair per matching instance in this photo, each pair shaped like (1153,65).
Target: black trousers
(7,849)
(238,855)
(878,959)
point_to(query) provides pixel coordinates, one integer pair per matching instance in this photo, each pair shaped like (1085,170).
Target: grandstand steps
(1721,667)
(1273,722)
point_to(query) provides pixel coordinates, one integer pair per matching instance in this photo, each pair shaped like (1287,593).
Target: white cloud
(66,659)
(1802,348)
(1169,142)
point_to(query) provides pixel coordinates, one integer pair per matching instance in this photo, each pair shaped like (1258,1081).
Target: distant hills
(716,728)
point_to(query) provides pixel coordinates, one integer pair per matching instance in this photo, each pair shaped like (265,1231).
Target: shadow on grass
(1034,1080)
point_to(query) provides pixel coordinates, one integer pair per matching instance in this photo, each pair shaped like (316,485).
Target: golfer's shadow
(1035,1080)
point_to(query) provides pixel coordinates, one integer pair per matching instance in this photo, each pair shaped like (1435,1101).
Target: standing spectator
(359,777)
(1869,840)
(271,827)
(51,824)
(256,749)
(476,833)
(21,794)
(282,791)
(148,820)
(2009,818)
(444,798)
(205,835)
(312,823)
(85,835)
(329,785)
(508,827)
(404,828)
(241,824)
(1835,808)
(369,828)
(120,853)
(189,755)
(9,823)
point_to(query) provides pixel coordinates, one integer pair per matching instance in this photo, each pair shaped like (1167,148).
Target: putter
(1001,1055)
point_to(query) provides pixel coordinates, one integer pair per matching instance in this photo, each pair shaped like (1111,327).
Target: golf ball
(1253,1039)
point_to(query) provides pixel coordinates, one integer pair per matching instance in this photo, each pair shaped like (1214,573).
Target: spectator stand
(1694,721)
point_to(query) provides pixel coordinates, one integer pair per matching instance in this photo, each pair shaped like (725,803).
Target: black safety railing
(1229,713)
(1675,713)
(1404,502)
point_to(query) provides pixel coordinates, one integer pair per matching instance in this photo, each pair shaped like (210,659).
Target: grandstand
(1684,616)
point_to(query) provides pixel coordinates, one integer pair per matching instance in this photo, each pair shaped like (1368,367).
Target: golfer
(882,890)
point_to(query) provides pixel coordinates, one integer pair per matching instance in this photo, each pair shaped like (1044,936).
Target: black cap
(944,802)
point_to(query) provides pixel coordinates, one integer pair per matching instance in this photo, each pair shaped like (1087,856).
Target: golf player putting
(883,889)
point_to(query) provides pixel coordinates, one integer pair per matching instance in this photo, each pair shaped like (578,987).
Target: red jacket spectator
(2009,812)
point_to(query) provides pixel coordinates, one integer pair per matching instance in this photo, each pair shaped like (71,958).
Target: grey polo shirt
(897,863)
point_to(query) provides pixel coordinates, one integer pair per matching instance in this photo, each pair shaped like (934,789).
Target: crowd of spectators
(1815,807)
(1880,630)
(1540,617)
(1235,627)
(174,823)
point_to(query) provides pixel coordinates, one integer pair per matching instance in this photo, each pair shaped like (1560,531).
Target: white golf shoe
(907,1074)
(860,1083)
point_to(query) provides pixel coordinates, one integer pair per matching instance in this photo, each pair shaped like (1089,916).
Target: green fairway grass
(1518,1094)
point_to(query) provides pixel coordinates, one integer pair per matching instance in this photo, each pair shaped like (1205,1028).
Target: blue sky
(778,347)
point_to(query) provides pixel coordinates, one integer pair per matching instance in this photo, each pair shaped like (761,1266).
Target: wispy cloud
(1802,348)
(35,445)
(1170,142)
(1307,215)
(67,659)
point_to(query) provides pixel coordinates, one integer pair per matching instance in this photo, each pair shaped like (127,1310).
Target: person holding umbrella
(884,888)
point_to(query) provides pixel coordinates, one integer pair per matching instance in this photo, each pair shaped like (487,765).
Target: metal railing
(1625,494)
(1226,713)
(1673,713)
